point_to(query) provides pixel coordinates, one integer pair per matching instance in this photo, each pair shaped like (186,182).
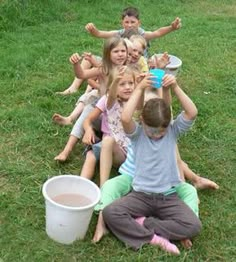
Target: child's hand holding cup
(158,75)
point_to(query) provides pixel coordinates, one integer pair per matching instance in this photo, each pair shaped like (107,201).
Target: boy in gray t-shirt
(152,213)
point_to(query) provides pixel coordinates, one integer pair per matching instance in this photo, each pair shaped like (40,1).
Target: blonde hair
(139,39)
(128,43)
(129,70)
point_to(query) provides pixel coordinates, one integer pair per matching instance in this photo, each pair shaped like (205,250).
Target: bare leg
(77,82)
(101,229)
(73,87)
(89,165)
(198,182)
(62,157)
(106,158)
(88,89)
(68,120)
(111,154)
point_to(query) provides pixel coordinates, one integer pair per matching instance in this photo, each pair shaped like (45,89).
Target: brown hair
(156,113)
(130,11)
(129,33)
(110,44)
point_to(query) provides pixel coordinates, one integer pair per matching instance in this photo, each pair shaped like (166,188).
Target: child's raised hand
(91,28)
(75,58)
(159,61)
(118,74)
(145,80)
(87,55)
(169,81)
(176,24)
(121,71)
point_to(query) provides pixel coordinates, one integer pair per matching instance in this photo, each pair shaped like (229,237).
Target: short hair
(156,113)
(130,11)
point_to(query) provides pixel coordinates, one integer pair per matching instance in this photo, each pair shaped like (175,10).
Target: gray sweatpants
(167,216)
(78,130)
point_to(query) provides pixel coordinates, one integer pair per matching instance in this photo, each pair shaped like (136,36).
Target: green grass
(36,40)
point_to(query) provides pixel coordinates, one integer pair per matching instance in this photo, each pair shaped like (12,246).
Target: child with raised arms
(152,213)
(130,20)
(114,141)
(114,54)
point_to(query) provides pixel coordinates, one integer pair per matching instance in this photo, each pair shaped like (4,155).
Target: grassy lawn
(36,40)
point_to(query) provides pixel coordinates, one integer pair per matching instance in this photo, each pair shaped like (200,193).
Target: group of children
(127,124)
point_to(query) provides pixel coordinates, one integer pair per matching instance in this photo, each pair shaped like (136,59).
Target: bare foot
(61,120)
(186,243)
(101,229)
(68,91)
(205,183)
(62,157)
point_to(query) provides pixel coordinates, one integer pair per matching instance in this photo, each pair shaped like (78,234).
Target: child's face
(137,51)
(154,133)
(125,87)
(130,22)
(129,57)
(118,54)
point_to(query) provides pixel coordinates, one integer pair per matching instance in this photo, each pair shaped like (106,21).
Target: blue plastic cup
(157,77)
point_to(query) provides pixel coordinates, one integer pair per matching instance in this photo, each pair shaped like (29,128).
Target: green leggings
(121,185)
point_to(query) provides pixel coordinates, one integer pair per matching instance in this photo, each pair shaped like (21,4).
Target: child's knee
(109,213)
(107,141)
(90,156)
(196,227)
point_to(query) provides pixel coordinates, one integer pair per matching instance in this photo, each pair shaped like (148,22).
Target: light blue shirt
(156,169)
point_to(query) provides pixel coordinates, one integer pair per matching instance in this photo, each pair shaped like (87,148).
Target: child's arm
(92,29)
(133,102)
(166,94)
(83,73)
(89,135)
(89,57)
(112,90)
(175,25)
(190,110)
(93,83)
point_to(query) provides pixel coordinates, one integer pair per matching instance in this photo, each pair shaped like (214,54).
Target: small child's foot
(205,183)
(68,91)
(62,157)
(165,244)
(186,243)
(100,231)
(61,120)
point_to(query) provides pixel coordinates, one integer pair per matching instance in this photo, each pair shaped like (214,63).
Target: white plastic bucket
(64,223)
(174,65)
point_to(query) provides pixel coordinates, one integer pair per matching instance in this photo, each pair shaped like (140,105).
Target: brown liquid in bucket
(72,200)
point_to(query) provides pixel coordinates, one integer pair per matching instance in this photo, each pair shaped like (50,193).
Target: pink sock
(140,220)
(165,244)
